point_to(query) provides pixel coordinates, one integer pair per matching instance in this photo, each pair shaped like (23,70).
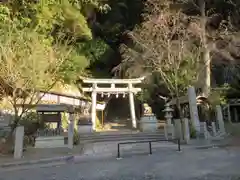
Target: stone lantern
(168,113)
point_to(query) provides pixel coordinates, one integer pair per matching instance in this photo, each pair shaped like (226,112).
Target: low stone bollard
(203,130)
(18,145)
(220,121)
(178,129)
(169,131)
(186,130)
(214,130)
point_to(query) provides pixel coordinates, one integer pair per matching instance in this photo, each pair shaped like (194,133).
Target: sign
(51,117)
(100,107)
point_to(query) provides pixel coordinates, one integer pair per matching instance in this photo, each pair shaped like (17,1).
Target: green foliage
(94,50)
(76,137)
(217,97)
(73,67)
(64,120)
(28,61)
(59,22)
(31,122)
(98,123)
(193,133)
(49,16)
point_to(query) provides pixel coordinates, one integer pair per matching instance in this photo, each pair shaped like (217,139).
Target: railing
(150,144)
(49,132)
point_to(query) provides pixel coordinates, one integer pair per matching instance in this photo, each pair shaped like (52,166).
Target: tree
(216,22)
(66,19)
(28,64)
(164,45)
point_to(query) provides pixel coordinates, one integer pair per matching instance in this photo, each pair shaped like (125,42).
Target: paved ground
(164,164)
(36,154)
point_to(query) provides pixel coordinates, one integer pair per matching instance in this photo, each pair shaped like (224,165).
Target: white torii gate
(129,89)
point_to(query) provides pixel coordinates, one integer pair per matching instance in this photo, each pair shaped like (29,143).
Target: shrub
(193,133)
(31,123)
(98,123)
(75,137)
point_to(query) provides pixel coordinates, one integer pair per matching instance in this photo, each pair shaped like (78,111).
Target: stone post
(93,110)
(220,119)
(193,108)
(70,130)
(178,129)
(165,131)
(168,114)
(186,131)
(203,130)
(18,146)
(168,127)
(235,114)
(214,131)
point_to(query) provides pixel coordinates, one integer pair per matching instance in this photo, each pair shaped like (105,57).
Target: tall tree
(28,63)
(216,23)
(164,46)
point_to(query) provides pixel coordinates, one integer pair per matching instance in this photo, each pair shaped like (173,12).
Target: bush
(31,123)
(76,137)
(193,133)
(98,123)
(64,120)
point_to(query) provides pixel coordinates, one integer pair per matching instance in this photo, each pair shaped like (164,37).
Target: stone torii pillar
(94,105)
(132,106)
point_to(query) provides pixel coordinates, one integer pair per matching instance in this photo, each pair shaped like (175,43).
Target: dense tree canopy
(94,32)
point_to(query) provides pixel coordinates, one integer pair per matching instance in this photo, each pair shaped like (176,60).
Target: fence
(149,142)
(50,132)
(50,138)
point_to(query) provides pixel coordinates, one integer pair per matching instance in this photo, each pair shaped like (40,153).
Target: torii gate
(129,89)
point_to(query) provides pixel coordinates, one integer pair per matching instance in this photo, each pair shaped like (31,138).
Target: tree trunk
(180,114)
(205,74)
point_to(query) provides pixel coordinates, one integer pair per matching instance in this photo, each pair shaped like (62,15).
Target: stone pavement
(107,149)
(190,164)
(93,151)
(34,156)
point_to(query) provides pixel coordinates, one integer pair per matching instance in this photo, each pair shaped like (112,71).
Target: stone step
(121,137)
(114,133)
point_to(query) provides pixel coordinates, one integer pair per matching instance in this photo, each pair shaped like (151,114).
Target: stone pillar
(186,131)
(214,131)
(168,113)
(203,130)
(132,107)
(169,131)
(193,108)
(178,129)
(93,110)
(220,119)
(70,130)
(18,146)
(165,131)
(235,115)
(229,114)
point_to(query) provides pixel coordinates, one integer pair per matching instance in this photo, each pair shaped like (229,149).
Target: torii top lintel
(113,81)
